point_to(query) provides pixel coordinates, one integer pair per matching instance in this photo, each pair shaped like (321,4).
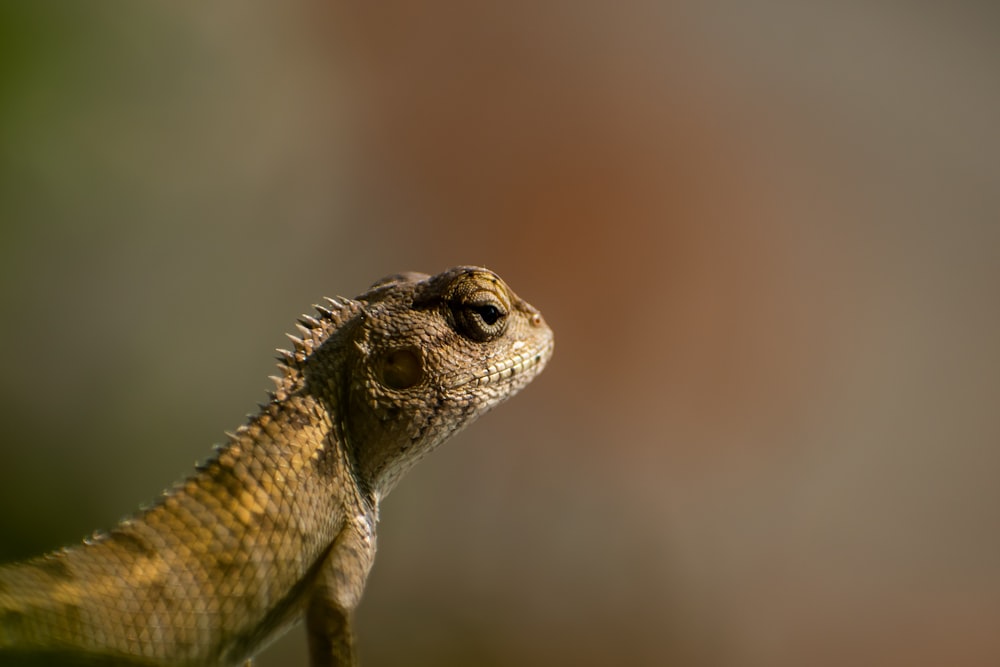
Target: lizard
(278,525)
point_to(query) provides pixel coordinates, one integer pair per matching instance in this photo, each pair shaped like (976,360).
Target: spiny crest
(313,331)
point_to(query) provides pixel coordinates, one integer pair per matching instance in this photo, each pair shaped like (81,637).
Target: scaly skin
(280,524)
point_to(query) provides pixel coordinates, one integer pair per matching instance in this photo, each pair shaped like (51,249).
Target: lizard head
(427,356)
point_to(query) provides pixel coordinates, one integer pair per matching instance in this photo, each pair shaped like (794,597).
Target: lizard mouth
(520,367)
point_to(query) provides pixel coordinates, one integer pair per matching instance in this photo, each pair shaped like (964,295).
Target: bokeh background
(766,233)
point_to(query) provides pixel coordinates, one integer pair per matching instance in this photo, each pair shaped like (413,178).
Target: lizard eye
(480,317)
(488,313)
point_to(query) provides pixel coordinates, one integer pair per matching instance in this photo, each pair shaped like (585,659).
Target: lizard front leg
(331,639)
(336,593)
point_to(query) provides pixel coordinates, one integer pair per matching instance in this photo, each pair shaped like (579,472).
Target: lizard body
(279,525)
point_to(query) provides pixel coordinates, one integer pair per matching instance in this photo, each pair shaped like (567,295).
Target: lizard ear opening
(401,368)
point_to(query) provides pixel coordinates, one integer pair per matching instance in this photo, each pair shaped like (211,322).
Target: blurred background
(765,233)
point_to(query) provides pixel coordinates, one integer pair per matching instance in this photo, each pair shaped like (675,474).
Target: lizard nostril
(536,320)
